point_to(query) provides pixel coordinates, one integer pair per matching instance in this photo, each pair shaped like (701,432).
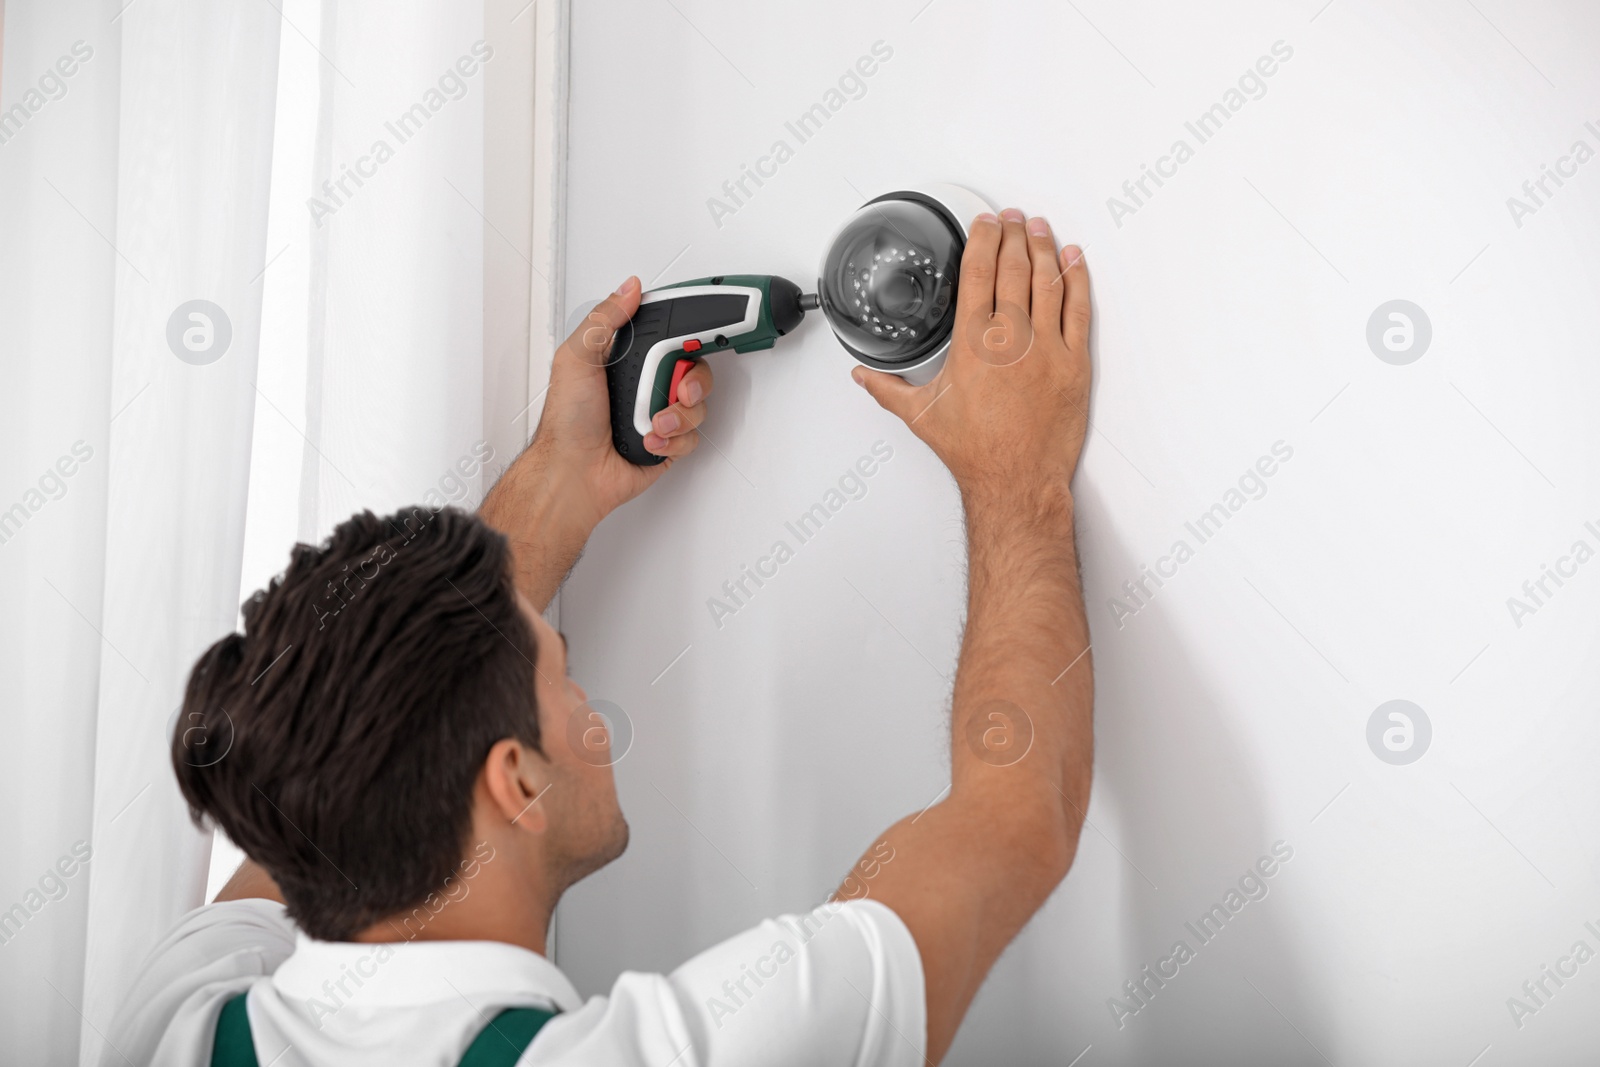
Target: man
(396,720)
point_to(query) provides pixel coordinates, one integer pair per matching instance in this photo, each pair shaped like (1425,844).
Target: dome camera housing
(889,278)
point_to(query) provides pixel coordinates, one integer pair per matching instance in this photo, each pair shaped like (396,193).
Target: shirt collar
(413,973)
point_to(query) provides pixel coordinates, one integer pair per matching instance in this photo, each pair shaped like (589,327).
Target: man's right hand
(1009,409)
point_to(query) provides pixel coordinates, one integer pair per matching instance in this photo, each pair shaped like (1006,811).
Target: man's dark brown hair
(338,739)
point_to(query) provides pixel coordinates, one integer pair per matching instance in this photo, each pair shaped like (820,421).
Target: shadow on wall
(1179,797)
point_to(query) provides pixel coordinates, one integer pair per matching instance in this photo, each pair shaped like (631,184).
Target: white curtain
(147,473)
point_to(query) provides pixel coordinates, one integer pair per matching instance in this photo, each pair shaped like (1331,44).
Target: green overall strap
(500,1044)
(233,1046)
(506,1038)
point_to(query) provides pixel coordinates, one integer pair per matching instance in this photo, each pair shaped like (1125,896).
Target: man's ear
(516,778)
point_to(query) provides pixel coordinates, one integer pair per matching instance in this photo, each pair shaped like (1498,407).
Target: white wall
(1232,315)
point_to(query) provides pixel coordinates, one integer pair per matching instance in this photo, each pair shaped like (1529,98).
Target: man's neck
(502,901)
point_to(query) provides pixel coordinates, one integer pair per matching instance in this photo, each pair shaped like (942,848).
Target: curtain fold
(58,146)
(394,362)
(134,217)
(196,103)
(232,311)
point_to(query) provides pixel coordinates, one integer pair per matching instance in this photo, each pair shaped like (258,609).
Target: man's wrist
(561,491)
(1008,501)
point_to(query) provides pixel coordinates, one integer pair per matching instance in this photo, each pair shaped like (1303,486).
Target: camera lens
(900,294)
(888,282)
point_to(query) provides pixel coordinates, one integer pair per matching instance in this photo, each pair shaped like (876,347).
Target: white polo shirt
(838,985)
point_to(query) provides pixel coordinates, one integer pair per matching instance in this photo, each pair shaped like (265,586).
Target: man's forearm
(970,871)
(546,516)
(1023,702)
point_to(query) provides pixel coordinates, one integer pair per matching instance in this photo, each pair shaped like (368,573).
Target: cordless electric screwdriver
(674,327)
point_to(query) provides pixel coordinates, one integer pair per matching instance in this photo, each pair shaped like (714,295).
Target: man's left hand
(575,429)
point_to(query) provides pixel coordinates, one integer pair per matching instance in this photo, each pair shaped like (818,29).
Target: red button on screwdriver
(677,376)
(691,345)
